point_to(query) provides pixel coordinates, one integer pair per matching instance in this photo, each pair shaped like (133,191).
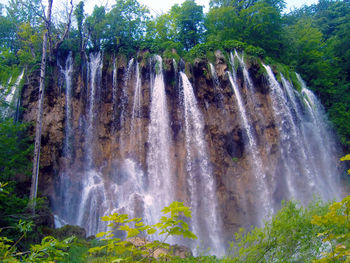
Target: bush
(288,237)
(137,247)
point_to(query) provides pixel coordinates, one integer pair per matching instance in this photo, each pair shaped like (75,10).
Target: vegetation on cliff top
(313,40)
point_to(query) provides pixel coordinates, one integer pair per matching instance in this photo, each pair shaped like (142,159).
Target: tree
(126,24)
(36,161)
(223,24)
(189,19)
(79,15)
(257,23)
(57,40)
(236,4)
(262,27)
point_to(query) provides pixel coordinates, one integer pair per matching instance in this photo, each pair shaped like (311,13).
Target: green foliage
(15,162)
(336,233)
(318,44)
(79,15)
(288,237)
(125,25)
(49,250)
(188,19)
(346,158)
(15,149)
(203,50)
(256,22)
(95,25)
(136,246)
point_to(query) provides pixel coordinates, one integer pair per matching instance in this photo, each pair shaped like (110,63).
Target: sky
(163,6)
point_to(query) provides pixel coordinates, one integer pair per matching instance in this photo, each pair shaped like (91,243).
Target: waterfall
(205,220)
(124,101)
(252,99)
(216,85)
(95,70)
(114,92)
(135,138)
(124,95)
(323,148)
(93,197)
(256,163)
(216,82)
(11,97)
(246,76)
(145,148)
(160,173)
(68,149)
(68,139)
(298,143)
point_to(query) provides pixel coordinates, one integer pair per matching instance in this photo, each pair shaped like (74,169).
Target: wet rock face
(223,133)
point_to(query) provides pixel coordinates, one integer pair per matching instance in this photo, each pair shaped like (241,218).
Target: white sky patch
(163,6)
(158,7)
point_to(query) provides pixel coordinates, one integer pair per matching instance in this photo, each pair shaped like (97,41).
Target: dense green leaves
(14,150)
(137,245)
(288,237)
(336,233)
(188,20)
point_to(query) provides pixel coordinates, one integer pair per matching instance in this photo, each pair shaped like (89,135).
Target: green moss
(231,45)
(188,69)
(158,67)
(296,83)
(168,53)
(286,71)
(210,55)
(77,59)
(204,51)
(236,63)
(64,232)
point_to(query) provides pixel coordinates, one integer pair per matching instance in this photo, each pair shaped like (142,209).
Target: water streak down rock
(143,134)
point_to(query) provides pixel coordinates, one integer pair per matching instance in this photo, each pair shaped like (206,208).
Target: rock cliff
(121,132)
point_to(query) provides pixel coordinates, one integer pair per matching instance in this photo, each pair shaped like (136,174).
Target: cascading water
(68,145)
(253,101)
(163,150)
(295,148)
(135,139)
(114,92)
(11,98)
(95,70)
(93,196)
(216,86)
(68,139)
(246,76)
(205,220)
(323,148)
(124,102)
(214,75)
(159,168)
(124,95)
(256,162)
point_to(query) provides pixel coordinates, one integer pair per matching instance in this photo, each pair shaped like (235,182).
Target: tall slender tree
(52,48)
(39,121)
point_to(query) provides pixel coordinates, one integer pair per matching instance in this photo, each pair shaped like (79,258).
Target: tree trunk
(36,161)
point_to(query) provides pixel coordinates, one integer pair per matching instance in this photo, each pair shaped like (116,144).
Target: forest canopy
(312,40)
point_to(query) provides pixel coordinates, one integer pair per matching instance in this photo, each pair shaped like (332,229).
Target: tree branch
(66,30)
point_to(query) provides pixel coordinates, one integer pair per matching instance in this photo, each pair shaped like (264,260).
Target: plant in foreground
(137,246)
